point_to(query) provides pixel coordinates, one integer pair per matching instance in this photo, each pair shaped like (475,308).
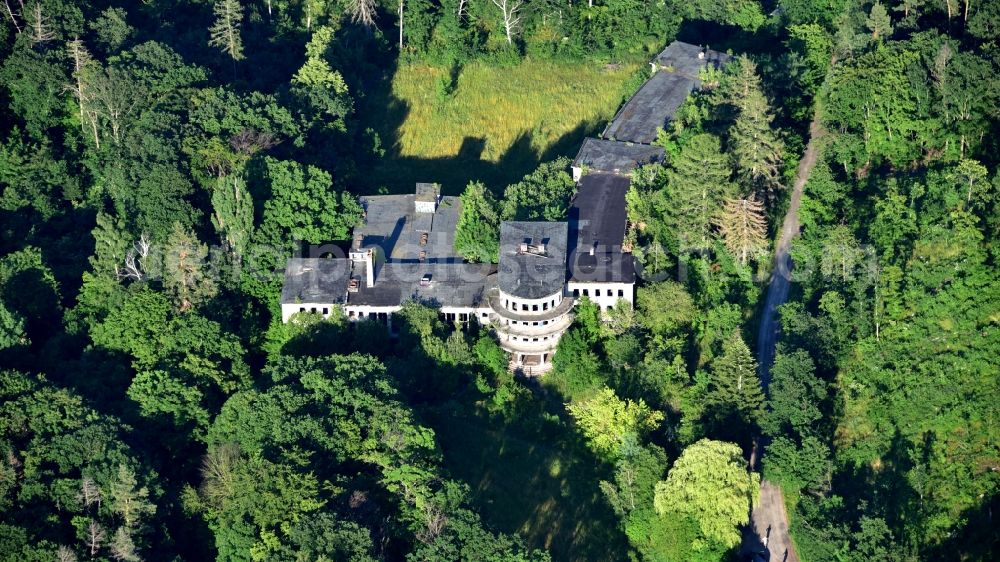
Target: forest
(161,160)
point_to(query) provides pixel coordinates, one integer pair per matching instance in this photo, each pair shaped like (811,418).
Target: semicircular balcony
(496,303)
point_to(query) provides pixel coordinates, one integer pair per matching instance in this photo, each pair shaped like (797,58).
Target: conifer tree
(735,395)
(129,500)
(696,184)
(757,151)
(184,272)
(743,227)
(879,22)
(225,32)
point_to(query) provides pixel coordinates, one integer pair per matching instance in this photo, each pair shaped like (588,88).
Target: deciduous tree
(710,483)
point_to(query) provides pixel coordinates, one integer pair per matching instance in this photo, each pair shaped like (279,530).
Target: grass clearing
(495,125)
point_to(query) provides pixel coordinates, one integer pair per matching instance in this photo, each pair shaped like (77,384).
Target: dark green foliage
(211,429)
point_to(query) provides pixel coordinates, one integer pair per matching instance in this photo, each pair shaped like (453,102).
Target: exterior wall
(606,295)
(577,173)
(425,206)
(287,310)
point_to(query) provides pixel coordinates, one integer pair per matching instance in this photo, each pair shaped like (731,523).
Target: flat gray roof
(597,220)
(651,108)
(428,192)
(450,284)
(682,58)
(602,155)
(392,224)
(316,280)
(532,275)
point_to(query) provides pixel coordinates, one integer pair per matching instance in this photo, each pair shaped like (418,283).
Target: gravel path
(767,533)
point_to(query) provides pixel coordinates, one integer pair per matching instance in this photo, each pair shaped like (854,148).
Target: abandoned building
(404,248)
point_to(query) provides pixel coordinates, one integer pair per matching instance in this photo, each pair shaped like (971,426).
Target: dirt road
(768,529)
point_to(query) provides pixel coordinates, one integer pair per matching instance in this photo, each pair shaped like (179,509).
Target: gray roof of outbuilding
(316,280)
(597,219)
(650,108)
(529,275)
(602,155)
(392,224)
(682,58)
(451,284)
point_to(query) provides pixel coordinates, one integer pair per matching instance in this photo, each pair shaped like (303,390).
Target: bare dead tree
(82,61)
(116,97)
(90,493)
(511,12)
(363,12)
(135,260)
(39,27)
(401,3)
(743,227)
(249,142)
(10,13)
(95,537)
(461,9)
(435,521)
(65,554)
(218,473)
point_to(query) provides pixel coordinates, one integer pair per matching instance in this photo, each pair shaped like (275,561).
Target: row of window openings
(526,323)
(314,310)
(463,317)
(515,338)
(511,305)
(597,292)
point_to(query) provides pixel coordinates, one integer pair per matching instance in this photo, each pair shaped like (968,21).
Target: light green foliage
(815,46)
(11,329)
(477,236)
(158,393)
(233,213)
(709,482)
(302,205)
(320,88)
(128,499)
(607,421)
(542,195)
(665,308)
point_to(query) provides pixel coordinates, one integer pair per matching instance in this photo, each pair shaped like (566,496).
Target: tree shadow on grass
(394,172)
